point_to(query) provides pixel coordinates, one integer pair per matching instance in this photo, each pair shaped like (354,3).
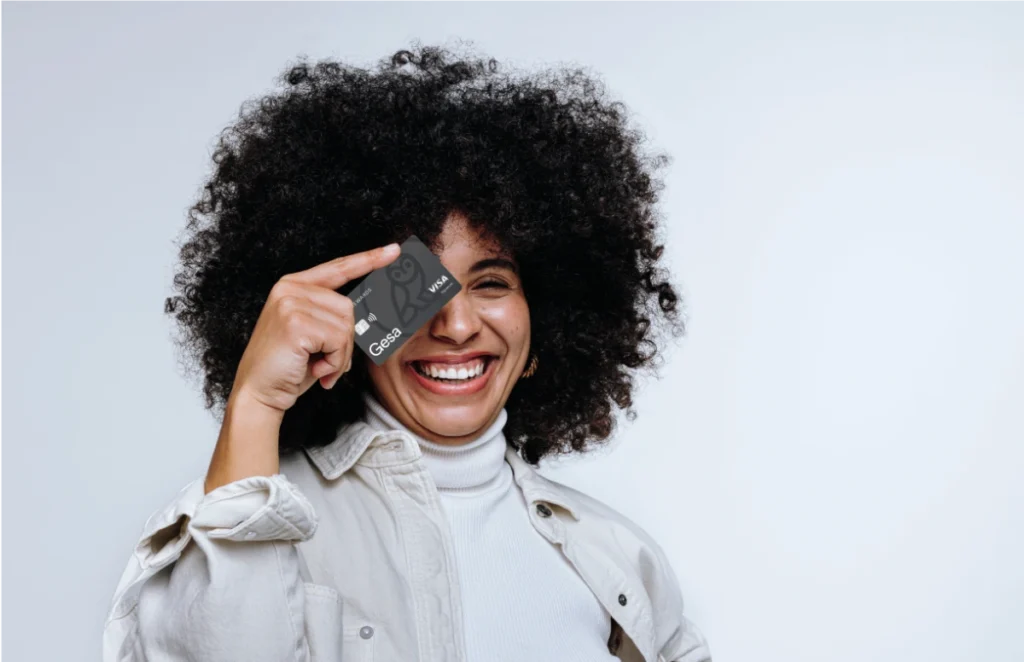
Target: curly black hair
(344,158)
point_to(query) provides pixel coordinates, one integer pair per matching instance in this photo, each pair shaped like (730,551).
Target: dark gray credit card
(394,301)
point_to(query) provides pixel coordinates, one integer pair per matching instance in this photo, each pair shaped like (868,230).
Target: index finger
(335,273)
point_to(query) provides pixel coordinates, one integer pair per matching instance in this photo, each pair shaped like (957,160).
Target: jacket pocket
(323,612)
(332,634)
(358,646)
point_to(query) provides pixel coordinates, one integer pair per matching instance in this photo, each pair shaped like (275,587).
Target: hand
(306,331)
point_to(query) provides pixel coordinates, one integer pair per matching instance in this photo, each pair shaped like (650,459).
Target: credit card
(394,301)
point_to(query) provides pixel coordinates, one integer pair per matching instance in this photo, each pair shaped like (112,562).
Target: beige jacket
(238,574)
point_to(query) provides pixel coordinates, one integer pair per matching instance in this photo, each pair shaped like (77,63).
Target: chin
(454,420)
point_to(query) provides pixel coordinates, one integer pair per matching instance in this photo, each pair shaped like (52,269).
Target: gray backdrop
(832,460)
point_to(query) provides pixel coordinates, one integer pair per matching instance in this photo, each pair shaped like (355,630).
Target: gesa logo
(378,348)
(440,281)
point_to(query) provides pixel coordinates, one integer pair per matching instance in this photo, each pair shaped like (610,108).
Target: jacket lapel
(602,572)
(338,456)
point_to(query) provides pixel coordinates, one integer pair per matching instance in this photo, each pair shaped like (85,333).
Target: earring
(531,368)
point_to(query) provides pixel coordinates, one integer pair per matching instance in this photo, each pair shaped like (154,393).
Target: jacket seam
(421,479)
(284,590)
(285,523)
(259,488)
(134,634)
(451,573)
(132,604)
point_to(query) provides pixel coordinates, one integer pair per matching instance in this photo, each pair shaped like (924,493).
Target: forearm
(248,442)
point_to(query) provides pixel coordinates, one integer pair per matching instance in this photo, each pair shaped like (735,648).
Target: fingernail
(392,248)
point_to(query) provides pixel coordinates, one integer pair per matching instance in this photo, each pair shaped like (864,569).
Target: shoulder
(614,528)
(621,536)
(590,512)
(632,549)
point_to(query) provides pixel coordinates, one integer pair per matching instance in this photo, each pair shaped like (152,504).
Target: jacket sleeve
(685,642)
(216,577)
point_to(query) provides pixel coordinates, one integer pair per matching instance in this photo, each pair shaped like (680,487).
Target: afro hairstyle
(341,159)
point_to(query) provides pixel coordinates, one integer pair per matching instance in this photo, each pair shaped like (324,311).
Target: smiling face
(451,378)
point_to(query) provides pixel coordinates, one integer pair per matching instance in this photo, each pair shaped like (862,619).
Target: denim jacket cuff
(255,508)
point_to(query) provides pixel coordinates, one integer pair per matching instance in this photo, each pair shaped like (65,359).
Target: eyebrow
(498,262)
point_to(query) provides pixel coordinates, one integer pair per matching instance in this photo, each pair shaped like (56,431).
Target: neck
(470,466)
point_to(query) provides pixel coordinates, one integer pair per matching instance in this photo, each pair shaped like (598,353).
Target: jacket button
(622,599)
(543,510)
(366,632)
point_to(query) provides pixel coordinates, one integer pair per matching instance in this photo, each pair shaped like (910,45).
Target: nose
(457,322)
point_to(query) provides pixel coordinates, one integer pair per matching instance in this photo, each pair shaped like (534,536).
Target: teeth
(462,371)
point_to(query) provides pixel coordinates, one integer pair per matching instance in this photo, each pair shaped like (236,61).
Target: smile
(453,378)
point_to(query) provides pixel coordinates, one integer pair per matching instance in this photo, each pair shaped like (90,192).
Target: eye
(492,283)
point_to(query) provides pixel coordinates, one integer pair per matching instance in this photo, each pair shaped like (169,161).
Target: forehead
(459,241)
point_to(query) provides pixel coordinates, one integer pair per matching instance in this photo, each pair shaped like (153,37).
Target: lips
(451,358)
(443,367)
(465,370)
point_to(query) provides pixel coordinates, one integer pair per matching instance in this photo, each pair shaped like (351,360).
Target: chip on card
(394,301)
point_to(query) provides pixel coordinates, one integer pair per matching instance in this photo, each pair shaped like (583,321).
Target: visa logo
(440,281)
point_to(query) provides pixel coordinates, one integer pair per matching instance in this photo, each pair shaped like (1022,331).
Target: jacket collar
(354,438)
(536,487)
(349,444)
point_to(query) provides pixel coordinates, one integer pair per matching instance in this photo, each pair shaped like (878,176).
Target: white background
(833,457)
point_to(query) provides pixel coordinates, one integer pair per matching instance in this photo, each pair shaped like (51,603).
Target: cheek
(382,375)
(510,319)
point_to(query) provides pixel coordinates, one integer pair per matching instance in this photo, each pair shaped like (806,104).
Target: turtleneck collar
(468,467)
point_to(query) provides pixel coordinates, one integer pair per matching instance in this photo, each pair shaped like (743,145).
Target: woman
(393,512)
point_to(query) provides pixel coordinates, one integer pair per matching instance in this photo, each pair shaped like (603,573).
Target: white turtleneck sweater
(522,599)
